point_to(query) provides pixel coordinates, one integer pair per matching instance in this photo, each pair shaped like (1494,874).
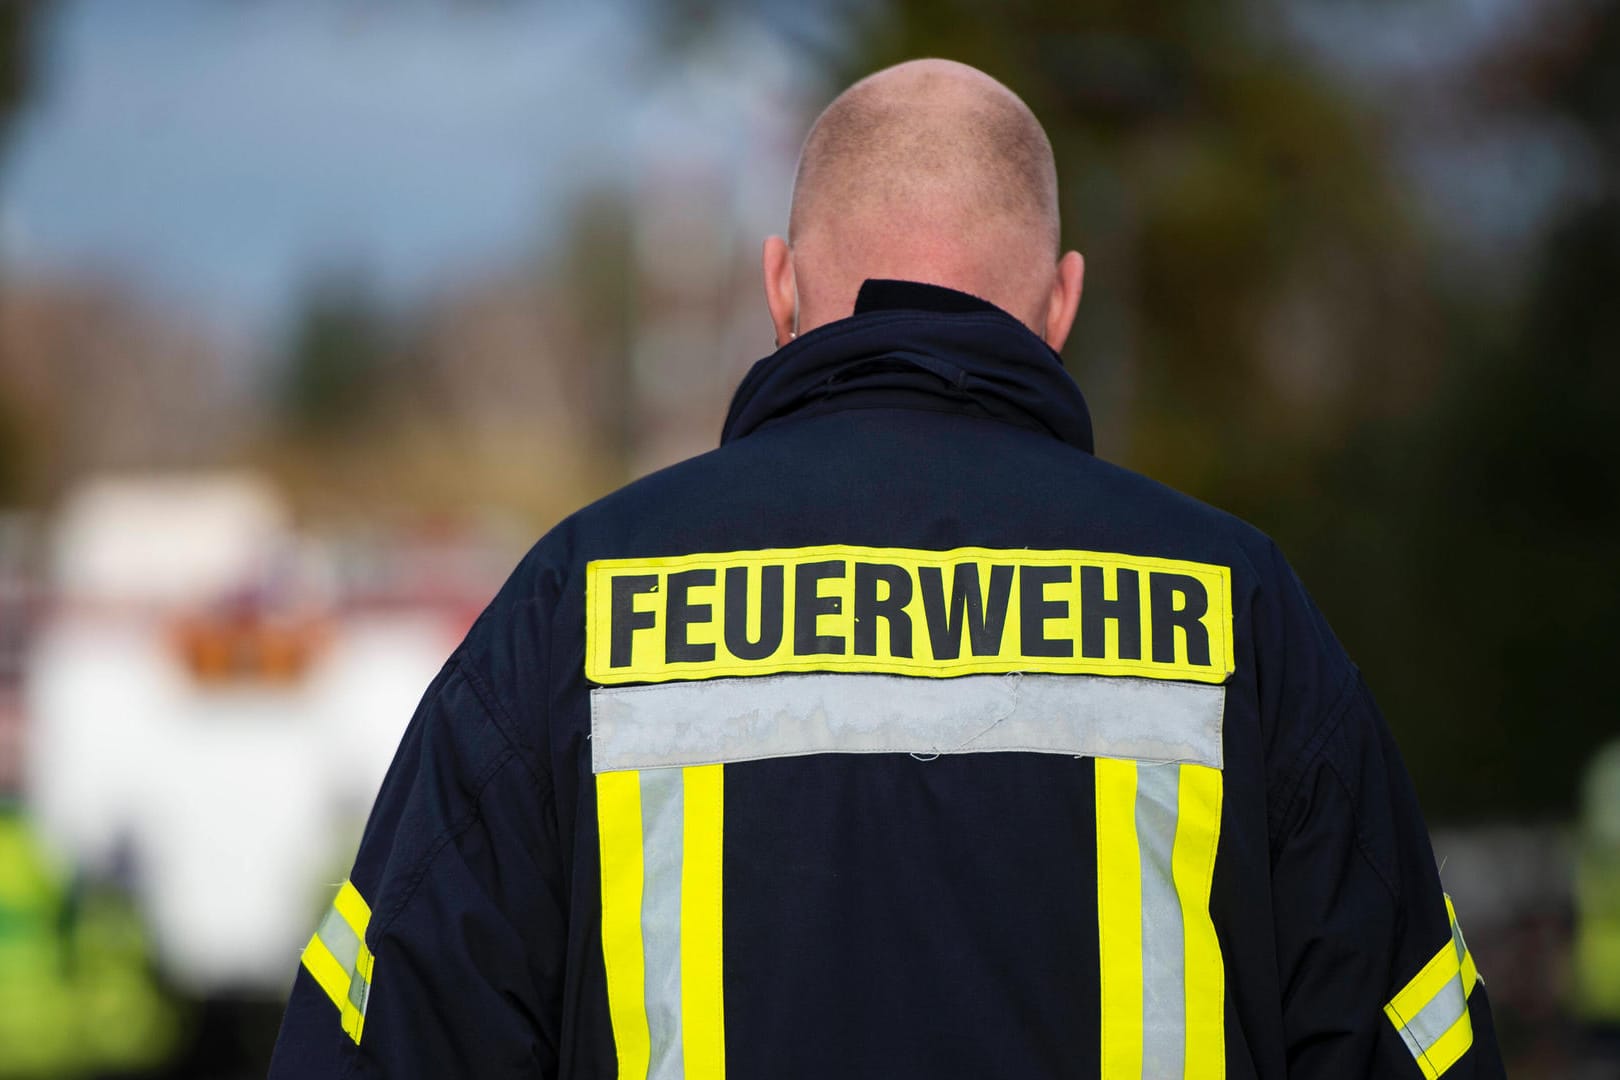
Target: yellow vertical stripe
(1119,920)
(618,812)
(703,1019)
(1198,831)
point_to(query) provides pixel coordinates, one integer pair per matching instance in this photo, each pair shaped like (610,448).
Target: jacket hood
(919,346)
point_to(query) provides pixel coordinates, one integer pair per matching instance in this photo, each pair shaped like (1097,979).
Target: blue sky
(219,153)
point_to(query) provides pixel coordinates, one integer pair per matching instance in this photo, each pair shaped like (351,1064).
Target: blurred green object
(1597,893)
(77,994)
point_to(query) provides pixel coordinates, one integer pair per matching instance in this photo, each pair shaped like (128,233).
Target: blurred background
(313,315)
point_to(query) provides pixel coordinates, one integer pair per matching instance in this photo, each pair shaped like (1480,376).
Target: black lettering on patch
(1169,616)
(626,619)
(1034,610)
(985,620)
(680,613)
(770,612)
(892,607)
(808,604)
(1096,609)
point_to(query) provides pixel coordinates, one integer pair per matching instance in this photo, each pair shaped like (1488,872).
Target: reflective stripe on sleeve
(1431,1012)
(1163,983)
(338,959)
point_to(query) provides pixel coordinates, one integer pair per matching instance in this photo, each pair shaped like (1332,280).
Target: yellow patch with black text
(903,611)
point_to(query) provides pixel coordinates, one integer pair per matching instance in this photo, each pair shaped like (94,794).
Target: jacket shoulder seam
(1361,839)
(451,831)
(1294,773)
(502,720)
(440,842)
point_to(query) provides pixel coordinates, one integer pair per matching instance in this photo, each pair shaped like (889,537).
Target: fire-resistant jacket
(899,736)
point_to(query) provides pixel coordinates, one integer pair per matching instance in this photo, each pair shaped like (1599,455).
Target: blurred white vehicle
(212,711)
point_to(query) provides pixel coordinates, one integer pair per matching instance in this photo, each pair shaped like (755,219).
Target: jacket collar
(918,346)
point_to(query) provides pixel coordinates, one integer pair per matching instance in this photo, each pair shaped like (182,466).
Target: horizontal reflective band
(728,720)
(340,962)
(1431,1011)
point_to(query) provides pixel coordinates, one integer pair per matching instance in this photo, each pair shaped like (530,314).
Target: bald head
(927,171)
(934,144)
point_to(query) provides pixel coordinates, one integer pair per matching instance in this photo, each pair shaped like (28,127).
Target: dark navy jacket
(899,736)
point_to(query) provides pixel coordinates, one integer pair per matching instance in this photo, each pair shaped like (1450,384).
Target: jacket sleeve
(1376,975)
(442,954)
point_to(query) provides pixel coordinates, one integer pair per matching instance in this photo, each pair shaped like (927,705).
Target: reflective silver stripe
(1164,987)
(1412,1045)
(748,719)
(663,819)
(343,943)
(1435,1019)
(359,990)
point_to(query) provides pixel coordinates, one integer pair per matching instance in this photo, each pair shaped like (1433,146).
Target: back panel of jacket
(903,913)
(899,736)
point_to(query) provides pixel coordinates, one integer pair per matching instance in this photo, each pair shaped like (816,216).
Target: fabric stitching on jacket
(492,705)
(1361,839)
(425,862)
(815,413)
(1294,773)
(450,832)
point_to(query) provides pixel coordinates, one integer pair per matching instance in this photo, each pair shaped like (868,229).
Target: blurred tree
(15,447)
(1250,263)
(340,346)
(1514,504)
(19,22)
(93,378)
(594,274)
(506,392)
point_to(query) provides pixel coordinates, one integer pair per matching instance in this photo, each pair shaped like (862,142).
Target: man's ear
(781,289)
(1065,299)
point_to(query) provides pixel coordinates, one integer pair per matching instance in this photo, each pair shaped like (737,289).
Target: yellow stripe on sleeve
(1431,1011)
(1470,972)
(1448,1048)
(1428,982)
(354,909)
(327,971)
(339,961)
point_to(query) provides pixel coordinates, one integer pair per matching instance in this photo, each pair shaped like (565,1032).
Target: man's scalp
(930,143)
